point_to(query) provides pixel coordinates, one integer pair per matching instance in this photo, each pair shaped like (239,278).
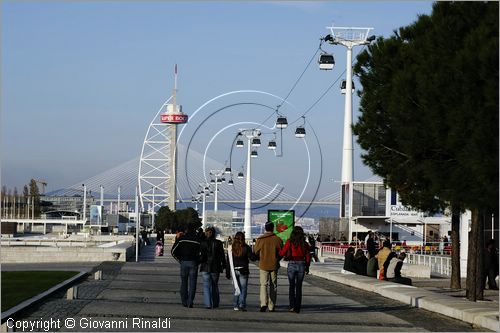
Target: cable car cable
(295,84)
(327,90)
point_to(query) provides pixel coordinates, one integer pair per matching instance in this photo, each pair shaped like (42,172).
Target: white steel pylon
(155,166)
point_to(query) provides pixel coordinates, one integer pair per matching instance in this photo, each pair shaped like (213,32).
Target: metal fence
(439,264)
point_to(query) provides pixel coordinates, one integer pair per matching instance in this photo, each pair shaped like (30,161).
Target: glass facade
(369,199)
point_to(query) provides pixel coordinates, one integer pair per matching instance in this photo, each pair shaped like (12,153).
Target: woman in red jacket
(297,251)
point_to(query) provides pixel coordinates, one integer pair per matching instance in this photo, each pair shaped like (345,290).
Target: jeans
(268,278)
(211,296)
(189,275)
(296,271)
(240,301)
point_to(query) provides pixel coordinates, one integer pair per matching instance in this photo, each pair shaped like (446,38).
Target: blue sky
(81,81)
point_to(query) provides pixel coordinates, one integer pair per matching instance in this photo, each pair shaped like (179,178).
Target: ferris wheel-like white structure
(157,166)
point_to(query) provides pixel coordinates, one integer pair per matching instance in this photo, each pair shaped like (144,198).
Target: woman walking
(213,262)
(238,256)
(297,251)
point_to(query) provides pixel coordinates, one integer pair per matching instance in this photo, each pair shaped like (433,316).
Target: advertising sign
(283,221)
(95,214)
(174,118)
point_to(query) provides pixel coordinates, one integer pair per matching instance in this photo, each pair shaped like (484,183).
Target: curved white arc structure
(308,176)
(215,136)
(231,93)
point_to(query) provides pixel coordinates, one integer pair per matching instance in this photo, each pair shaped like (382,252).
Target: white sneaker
(236,308)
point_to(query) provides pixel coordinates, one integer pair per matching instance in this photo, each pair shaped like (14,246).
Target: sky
(82,80)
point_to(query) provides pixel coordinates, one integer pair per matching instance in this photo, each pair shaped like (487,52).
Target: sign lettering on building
(403,211)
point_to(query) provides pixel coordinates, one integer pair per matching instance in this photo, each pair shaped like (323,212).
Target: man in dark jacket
(213,262)
(186,250)
(370,245)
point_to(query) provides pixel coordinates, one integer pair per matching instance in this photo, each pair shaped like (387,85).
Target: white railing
(438,264)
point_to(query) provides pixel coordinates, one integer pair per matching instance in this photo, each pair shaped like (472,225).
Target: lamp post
(250,134)
(102,203)
(84,217)
(218,174)
(118,204)
(204,192)
(137,225)
(348,37)
(153,213)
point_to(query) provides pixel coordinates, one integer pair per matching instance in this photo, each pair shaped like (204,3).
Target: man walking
(186,250)
(267,248)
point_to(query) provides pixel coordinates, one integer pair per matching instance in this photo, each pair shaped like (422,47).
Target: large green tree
(429,117)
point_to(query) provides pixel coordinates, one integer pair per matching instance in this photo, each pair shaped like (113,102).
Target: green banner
(283,221)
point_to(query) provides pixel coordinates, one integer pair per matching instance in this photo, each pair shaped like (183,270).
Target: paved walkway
(147,293)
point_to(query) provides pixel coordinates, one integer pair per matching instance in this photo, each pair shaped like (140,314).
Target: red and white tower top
(174,114)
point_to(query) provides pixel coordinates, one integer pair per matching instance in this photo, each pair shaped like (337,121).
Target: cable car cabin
(271,145)
(240,175)
(343,86)
(281,122)
(239,143)
(256,142)
(254,153)
(300,132)
(326,61)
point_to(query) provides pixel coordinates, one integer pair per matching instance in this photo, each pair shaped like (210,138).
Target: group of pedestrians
(206,253)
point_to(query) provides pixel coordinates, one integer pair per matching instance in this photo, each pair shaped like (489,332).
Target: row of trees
(15,204)
(429,119)
(173,221)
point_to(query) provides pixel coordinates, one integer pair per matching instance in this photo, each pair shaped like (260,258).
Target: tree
(178,220)
(35,196)
(165,219)
(429,116)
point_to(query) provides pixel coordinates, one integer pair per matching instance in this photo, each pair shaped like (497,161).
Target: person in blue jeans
(186,251)
(299,258)
(213,262)
(237,260)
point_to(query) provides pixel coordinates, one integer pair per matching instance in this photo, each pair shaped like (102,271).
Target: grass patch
(18,286)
